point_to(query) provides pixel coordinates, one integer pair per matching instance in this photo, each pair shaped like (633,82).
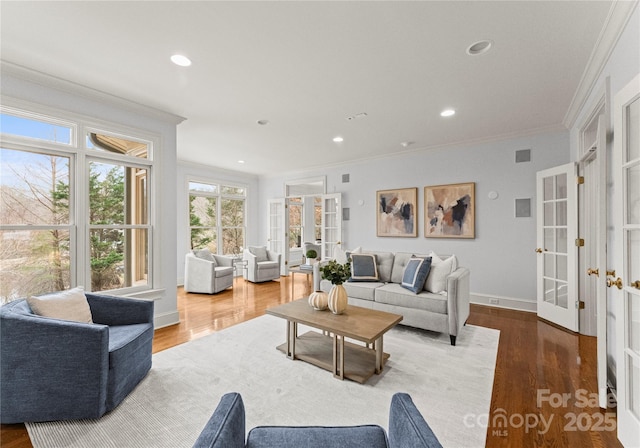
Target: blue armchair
(52,369)
(407,429)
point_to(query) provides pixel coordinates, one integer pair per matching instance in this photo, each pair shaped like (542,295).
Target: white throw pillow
(440,269)
(260,252)
(339,255)
(66,305)
(204,254)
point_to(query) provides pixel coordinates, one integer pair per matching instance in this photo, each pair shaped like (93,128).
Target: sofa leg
(453,339)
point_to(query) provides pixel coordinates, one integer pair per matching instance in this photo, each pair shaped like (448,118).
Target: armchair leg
(453,339)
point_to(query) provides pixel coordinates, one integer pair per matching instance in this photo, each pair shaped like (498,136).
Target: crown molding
(44,79)
(615,23)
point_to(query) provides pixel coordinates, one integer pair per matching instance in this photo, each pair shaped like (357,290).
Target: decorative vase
(338,299)
(319,300)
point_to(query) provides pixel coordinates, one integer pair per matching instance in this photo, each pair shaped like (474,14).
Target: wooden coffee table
(329,349)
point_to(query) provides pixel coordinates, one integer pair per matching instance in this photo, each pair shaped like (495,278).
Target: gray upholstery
(52,369)
(445,312)
(261,271)
(206,277)
(407,429)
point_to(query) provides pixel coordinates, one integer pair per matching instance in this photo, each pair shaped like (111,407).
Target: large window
(73,211)
(217,217)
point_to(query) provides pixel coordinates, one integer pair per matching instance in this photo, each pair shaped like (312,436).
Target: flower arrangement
(335,272)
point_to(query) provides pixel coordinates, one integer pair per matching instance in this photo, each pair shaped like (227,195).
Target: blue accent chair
(52,369)
(407,429)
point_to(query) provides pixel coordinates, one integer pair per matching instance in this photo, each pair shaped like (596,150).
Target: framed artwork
(396,212)
(449,211)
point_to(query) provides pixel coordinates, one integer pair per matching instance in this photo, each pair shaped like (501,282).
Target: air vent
(345,178)
(523,155)
(523,208)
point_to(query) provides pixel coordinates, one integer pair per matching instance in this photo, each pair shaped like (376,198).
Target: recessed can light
(447,113)
(480,47)
(338,139)
(240,161)
(181,60)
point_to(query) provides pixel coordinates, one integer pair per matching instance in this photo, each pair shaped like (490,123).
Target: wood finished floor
(532,356)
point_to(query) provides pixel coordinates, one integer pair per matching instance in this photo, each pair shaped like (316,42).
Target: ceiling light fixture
(181,60)
(447,113)
(240,161)
(480,47)
(263,122)
(338,139)
(406,144)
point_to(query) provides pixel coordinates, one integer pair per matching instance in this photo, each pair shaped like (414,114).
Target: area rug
(450,385)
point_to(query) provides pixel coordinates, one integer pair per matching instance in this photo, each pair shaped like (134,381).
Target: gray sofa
(54,369)
(444,312)
(407,429)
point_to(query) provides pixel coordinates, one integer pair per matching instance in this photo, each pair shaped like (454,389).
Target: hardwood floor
(536,364)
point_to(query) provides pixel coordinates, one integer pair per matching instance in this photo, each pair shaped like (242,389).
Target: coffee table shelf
(317,349)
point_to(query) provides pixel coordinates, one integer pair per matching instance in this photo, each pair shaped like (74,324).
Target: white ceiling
(307,66)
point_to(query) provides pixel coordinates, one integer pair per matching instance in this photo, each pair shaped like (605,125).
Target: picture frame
(396,212)
(449,211)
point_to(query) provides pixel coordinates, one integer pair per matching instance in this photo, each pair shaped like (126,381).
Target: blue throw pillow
(363,268)
(415,274)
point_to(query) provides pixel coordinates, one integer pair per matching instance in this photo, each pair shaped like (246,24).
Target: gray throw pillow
(415,274)
(364,268)
(260,252)
(205,254)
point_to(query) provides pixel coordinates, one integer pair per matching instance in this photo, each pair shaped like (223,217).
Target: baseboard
(510,303)
(166,319)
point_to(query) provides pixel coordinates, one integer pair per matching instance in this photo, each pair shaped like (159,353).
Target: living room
(501,257)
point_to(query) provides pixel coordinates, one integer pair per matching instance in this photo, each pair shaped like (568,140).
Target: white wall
(54,93)
(190,171)
(502,257)
(623,65)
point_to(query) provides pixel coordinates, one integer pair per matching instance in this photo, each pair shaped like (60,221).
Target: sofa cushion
(394,294)
(363,268)
(362,290)
(415,274)
(440,270)
(223,271)
(260,252)
(384,261)
(365,436)
(205,254)
(66,305)
(262,265)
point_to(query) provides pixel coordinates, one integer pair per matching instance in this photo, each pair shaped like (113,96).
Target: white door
(331,223)
(556,239)
(278,225)
(626,282)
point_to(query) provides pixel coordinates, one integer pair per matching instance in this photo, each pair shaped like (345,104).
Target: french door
(625,282)
(556,201)
(277,231)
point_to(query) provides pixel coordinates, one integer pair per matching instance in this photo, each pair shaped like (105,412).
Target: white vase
(319,300)
(338,299)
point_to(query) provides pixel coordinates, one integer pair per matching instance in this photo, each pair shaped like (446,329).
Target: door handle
(538,250)
(635,284)
(617,282)
(595,272)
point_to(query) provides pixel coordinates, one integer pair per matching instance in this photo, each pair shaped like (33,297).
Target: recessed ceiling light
(338,139)
(263,122)
(480,47)
(406,144)
(240,161)
(181,60)
(447,113)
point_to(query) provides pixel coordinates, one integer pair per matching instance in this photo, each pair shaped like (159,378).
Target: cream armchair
(207,273)
(262,264)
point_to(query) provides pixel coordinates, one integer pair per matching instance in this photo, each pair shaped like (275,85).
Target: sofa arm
(111,310)
(226,427)
(458,299)
(223,260)
(407,427)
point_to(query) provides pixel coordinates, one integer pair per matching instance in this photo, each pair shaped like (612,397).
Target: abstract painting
(450,211)
(396,212)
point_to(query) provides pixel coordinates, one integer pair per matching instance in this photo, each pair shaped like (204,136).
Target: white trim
(166,319)
(510,303)
(73,88)
(615,23)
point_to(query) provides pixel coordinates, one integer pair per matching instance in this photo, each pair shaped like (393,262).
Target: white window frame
(80,157)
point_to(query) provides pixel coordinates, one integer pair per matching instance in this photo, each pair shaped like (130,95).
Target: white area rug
(173,403)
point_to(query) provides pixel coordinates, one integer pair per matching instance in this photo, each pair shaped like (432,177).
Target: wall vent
(523,155)
(345,214)
(523,208)
(345,178)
